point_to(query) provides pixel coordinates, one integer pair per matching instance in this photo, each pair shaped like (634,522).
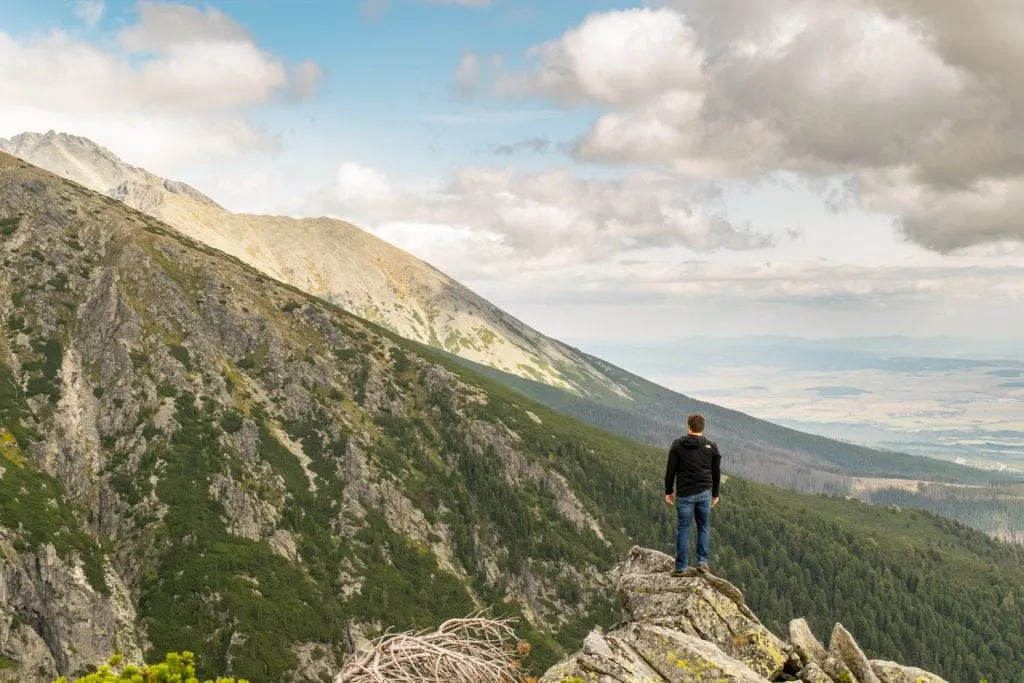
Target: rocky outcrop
(703,607)
(844,648)
(806,645)
(696,628)
(52,621)
(891,672)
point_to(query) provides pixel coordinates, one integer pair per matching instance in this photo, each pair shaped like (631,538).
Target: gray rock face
(837,670)
(843,647)
(52,621)
(613,655)
(891,672)
(807,647)
(812,673)
(681,658)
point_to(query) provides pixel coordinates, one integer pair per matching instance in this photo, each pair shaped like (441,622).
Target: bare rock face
(52,621)
(696,628)
(843,647)
(812,673)
(807,647)
(891,672)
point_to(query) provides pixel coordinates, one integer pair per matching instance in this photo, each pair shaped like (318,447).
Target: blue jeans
(688,508)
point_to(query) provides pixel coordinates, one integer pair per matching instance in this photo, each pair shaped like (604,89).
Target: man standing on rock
(694,472)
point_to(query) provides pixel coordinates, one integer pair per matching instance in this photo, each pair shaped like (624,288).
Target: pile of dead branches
(470,650)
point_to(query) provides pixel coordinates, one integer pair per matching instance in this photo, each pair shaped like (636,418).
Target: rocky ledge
(697,628)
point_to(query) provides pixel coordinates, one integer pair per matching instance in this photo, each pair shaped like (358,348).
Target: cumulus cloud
(175,92)
(917,103)
(526,220)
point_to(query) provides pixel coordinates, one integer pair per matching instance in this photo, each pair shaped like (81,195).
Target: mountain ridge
(379,282)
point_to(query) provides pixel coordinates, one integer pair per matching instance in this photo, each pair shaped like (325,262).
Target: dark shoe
(702,567)
(679,572)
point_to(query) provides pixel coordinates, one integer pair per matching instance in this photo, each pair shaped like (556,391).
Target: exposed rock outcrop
(53,621)
(891,672)
(696,628)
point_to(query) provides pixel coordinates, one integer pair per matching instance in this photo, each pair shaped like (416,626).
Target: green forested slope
(265,473)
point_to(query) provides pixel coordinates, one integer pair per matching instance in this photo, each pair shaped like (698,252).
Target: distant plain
(958,400)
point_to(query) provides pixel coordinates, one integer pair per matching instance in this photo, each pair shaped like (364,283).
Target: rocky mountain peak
(91,165)
(697,628)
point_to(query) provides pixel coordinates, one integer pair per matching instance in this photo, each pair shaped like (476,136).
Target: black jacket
(694,465)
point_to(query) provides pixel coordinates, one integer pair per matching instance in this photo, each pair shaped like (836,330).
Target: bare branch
(471,650)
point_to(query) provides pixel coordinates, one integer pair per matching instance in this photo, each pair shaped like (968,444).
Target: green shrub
(231,421)
(181,354)
(176,668)
(165,390)
(9,225)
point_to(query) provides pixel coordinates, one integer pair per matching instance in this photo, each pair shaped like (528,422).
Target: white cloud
(919,103)
(524,221)
(555,246)
(177,92)
(89,11)
(617,58)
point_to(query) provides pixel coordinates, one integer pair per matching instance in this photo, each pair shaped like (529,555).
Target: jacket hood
(691,441)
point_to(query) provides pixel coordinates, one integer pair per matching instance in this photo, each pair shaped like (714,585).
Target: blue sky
(773,167)
(388,96)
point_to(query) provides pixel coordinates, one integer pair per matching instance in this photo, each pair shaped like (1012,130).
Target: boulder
(614,656)
(891,672)
(812,673)
(699,605)
(843,647)
(838,671)
(681,658)
(807,647)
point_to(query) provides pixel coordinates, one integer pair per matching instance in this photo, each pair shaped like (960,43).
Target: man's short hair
(695,423)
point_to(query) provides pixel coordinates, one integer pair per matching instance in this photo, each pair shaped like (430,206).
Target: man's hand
(669,499)
(714,502)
